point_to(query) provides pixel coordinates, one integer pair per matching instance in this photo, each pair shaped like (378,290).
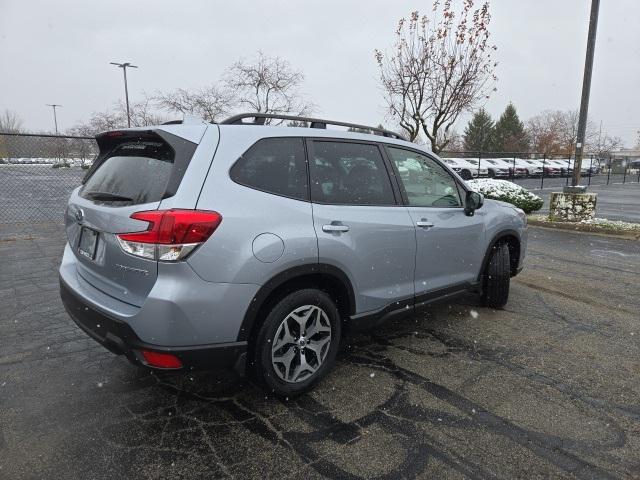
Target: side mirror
(473,202)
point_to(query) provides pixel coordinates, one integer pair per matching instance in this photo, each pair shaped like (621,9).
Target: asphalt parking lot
(547,388)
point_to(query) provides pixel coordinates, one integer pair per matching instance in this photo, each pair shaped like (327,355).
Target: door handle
(334,227)
(424,223)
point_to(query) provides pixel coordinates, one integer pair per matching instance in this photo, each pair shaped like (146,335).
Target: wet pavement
(547,388)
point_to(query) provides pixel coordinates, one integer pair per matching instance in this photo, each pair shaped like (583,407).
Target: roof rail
(259,119)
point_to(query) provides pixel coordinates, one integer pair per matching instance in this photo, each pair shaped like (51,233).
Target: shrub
(509,192)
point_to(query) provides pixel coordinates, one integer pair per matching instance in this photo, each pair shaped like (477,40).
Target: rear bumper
(119,338)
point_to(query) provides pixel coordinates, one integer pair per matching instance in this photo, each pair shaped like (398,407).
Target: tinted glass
(349,174)
(274,165)
(426,183)
(132,173)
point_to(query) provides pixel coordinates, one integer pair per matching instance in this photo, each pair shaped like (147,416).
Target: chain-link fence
(38,172)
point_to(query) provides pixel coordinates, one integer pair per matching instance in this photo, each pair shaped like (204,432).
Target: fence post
(514,167)
(638,174)
(569,172)
(624,177)
(544,160)
(479,162)
(609,170)
(590,166)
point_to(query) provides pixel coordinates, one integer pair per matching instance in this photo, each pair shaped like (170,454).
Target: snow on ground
(599,222)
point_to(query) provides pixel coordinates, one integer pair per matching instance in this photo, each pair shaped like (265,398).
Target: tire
(497,276)
(492,173)
(281,371)
(466,175)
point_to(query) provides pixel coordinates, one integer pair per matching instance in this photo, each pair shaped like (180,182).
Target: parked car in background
(585,167)
(561,165)
(550,168)
(517,170)
(479,165)
(466,169)
(497,167)
(534,167)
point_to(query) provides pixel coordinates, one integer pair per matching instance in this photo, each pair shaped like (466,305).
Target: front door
(449,242)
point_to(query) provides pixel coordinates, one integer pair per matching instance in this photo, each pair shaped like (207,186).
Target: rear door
(361,226)
(134,171)
(449,243)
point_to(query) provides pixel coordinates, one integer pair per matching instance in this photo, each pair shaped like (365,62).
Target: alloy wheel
(301,343)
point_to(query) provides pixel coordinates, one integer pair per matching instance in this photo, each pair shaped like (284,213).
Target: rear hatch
(134,171)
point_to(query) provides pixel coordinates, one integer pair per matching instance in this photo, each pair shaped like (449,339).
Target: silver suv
(258,247)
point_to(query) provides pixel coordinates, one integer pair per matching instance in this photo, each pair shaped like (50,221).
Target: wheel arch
(512,239)
(326,277)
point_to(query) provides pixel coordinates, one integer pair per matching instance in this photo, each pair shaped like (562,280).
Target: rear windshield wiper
(106,196)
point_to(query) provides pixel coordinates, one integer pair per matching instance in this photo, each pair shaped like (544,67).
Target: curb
(581,228)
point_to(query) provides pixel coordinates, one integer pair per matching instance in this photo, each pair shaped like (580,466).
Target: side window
(349,174)
(274,165)
(425,181)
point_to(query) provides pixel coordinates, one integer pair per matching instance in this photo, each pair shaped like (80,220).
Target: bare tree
(10,122)
(210,103)
(455,141)
(556,131)
(267,85)
(438,69)
(604,145)
(142,114)
(99,122)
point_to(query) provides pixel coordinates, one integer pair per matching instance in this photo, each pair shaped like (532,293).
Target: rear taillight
(171,234)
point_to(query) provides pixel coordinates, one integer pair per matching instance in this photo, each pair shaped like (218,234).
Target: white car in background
(561,164)
(498,167)
(466,168)
(534,167)
(483,171)
(517,169)
(584,167)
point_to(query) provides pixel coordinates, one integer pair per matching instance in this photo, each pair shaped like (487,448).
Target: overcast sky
(59,52)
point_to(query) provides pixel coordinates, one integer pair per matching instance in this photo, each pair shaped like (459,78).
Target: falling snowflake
(474,314)
(372,375)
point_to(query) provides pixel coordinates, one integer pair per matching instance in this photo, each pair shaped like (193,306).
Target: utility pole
(55,117)
(586,88)
(124,66)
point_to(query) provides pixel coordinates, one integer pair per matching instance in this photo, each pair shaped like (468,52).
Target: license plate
(88,242)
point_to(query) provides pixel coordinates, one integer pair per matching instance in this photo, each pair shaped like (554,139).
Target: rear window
(132,173)
(274,165)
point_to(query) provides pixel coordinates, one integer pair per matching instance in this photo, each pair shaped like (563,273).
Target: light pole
(124,66)
(55,117)
(586,88)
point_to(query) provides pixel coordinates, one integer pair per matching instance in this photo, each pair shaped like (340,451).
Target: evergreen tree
(479,133)
(510,134)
